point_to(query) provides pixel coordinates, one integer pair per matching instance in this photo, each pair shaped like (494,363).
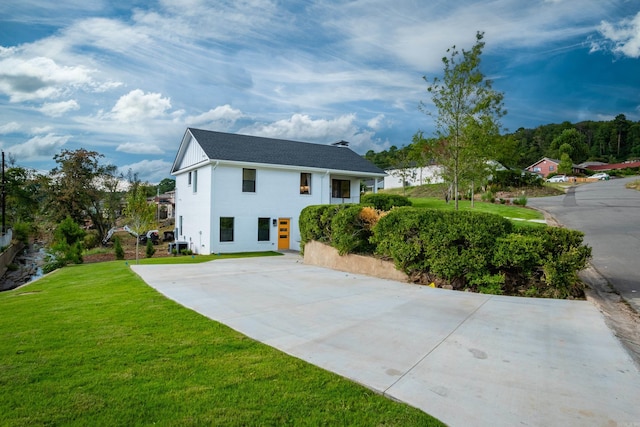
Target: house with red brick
(544,167)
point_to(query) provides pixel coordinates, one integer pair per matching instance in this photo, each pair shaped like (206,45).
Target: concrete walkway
(467,359)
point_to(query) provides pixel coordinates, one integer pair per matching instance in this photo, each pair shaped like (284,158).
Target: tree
(566,164)
(570,142)
(468,113)
(77,187)
(67,242)
(139,213)
(166,184)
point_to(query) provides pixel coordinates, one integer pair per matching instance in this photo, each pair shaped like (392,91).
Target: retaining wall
(316,253)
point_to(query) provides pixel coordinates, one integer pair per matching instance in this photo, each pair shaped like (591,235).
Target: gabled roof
(254,149)
(557,162)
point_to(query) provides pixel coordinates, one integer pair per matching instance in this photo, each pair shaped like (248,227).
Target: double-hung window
(248,180)
(305,183)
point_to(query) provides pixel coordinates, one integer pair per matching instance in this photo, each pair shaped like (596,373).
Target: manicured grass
(196,259)
(93,345)
(507,211)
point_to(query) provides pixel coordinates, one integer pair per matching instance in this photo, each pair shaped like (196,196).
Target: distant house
(544,167)
(614,166)
(240,193)
(412,176)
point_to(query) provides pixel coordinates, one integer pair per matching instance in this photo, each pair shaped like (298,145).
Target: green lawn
(507,211)
(93,345)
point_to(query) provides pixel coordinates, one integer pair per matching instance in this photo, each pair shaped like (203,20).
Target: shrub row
(462,249)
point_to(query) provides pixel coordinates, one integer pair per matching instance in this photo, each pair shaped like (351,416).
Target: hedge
(384,202)
(464,249)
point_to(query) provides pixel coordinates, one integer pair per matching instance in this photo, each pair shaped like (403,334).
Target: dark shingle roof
(254,149)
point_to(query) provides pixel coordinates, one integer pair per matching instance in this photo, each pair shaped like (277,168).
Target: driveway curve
(467,359)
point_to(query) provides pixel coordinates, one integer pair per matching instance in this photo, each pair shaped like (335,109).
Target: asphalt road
(609,215)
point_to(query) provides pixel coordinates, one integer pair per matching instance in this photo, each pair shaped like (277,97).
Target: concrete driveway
(467,359)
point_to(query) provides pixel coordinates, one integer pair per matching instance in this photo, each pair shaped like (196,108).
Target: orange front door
(283,233)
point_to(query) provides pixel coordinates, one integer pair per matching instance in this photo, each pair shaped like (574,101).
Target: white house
(240,193)
(413,176)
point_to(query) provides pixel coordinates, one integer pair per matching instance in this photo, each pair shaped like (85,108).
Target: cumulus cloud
(377,122)
(303,127)
(622,38)
(223,115)
(57,109)
(152,171)
(137,105)
(139,148)
(39,147)
(9,128)
(39,78)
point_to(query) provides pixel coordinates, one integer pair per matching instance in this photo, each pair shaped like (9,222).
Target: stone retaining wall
(316,253)
(8,256)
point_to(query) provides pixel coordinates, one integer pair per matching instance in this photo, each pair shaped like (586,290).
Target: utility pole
(4,196)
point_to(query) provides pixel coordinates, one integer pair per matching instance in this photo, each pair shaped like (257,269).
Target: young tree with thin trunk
(139,214)
(468,111)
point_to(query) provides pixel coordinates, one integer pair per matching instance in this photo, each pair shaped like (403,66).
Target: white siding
(193,155)
(220,194)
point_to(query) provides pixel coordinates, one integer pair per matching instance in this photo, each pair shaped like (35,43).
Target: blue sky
(126,78)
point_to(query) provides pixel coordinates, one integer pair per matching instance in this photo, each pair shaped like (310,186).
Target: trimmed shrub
(384,202)
(91,239)
(315,223)
(150,249)
(351,232)
(518,255)
(453,245)
(117,247)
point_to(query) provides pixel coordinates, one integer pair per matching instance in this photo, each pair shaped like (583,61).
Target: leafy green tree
(77,187)
(67,242)
(139,213)
(166,184)
(468,113)
(566,164)
(570,142)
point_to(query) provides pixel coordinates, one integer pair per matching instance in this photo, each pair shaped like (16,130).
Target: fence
(5,239)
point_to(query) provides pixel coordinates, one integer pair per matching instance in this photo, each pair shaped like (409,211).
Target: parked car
(558,178)
(601,176)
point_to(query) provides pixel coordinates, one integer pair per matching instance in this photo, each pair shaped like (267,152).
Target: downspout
(211,222)
(322,193)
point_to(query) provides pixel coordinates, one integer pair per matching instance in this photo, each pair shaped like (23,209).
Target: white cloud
(377,122)
(223,115)
(304,128)
(43,147)
(139,148)
(57,109)
(10,128)
(622,38)
(39,78)
(137,105)
(301,127)
(152,171)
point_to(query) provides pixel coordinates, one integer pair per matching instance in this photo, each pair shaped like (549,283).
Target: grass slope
(94,345)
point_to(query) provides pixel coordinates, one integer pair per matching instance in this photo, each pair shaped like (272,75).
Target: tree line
(610,141)
(81,187)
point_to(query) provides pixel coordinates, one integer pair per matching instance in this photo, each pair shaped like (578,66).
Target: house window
(340,188)
(248,180)
(195,181)
(226,229)
(189,179)
(537,169)
(180,226)
(305,183)
(263,230)
(551,168)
